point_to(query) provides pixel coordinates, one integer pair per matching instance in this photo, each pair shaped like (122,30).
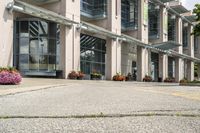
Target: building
(144,37)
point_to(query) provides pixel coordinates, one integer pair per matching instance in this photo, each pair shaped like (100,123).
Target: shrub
(118,77)
(80,75)
(169,80)
(72,75)
(95,76)
(76,75)
(9,76)
(184,80)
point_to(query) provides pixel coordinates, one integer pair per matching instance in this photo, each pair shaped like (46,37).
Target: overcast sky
(189,4)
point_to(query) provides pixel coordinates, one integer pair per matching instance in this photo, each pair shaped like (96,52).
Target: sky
(189,4)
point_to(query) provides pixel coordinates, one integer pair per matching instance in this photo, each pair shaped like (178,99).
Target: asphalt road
(103,106)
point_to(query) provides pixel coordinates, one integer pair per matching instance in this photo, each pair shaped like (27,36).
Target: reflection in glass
(33,62)
(43,46)
(23,62)
(34,46)
(39,45)
(24,42)
(52,63)
(43,28)
(92,54)
(43,60)
(34,28)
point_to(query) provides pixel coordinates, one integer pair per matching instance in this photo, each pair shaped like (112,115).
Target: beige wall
(6,35)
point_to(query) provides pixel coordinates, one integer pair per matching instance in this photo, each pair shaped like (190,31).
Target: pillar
(163,66)
(142,53)
(6,35)
(113,46)
(179,63)
(70,38)
(163,58)
(190,64)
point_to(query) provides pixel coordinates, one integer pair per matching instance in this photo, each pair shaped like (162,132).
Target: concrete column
(190,64)
(6,35)
(190,70)
(163,58)
(163,66)
(179,66)
(113,60)
(70,38)
(142,53)
(142,63)
(113,46)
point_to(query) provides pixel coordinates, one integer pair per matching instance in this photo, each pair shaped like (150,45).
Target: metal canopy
(167,45)
(179,8)
(164,1)
(39,12)
(192,18)
(96,29)
(40,2)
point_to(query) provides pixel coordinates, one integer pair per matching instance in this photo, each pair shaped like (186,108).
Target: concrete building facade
(137,37)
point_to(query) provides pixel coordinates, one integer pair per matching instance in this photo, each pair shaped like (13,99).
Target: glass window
(23,62)
(24,45)
(154,21)
(34,28)
(24,27)
(34,62)
(43,60)
(43,46)
(92,54)
(43,28)
(41,50)
(34,46)
(185,36)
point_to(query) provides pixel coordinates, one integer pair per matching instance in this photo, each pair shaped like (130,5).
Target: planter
(147,79)
(119,78)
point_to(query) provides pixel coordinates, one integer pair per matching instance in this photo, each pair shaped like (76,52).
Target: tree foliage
(197,27)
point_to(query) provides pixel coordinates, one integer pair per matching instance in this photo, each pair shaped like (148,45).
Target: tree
(197,27)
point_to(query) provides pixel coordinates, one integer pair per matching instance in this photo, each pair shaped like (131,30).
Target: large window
(35,46)
(196,43)
(185,36)
(154,20)
(94,8)
(129,14)
(93,52)
(171,67)
(171,27)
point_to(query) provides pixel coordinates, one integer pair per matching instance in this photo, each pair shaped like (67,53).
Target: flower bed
(147,78)
(169,80)
(95,76)
(76,75)
(9,76)
(118,77)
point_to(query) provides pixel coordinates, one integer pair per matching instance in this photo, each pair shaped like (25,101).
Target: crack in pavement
(173,113)
(101,116)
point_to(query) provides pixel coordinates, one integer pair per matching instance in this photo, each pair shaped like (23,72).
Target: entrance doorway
(36,47)
(154,66)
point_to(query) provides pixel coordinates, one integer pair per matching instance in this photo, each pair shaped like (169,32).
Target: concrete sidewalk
(32,84)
